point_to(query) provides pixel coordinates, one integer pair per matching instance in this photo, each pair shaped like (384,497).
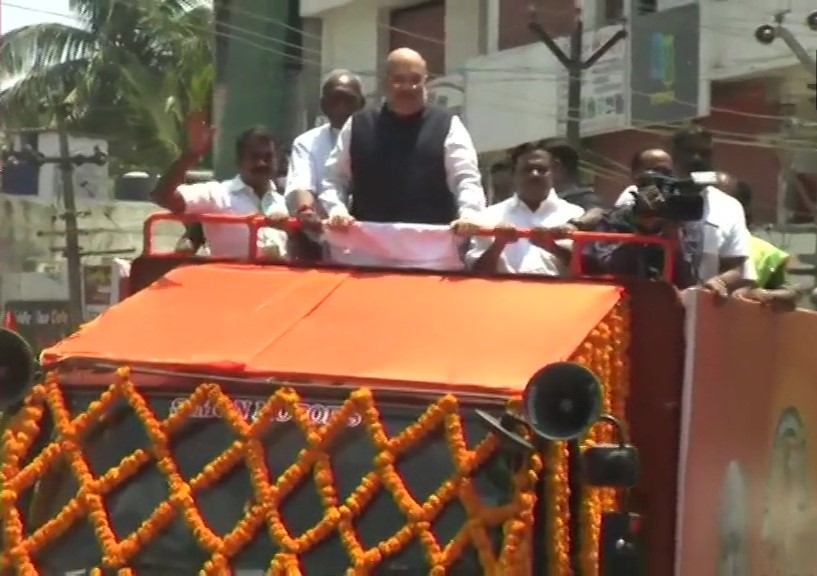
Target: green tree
(133,70)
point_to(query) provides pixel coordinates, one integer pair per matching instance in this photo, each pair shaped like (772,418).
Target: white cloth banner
(423,246)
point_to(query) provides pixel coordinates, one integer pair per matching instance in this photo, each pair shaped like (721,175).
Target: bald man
(406,161)
(341,96)
(649,159)
(719,243)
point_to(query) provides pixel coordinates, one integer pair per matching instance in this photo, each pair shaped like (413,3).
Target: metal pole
(72,249)
(766,34)
(803,55)
(575,65)
(574,87)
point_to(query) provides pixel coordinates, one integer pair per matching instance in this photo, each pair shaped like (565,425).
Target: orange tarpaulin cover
(426,331)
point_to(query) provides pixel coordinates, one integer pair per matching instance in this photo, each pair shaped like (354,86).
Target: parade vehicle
(253,417)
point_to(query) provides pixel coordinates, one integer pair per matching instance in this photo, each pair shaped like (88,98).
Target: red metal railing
(581,239)
(256,222)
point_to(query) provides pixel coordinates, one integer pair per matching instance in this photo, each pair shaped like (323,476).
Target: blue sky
(13,15)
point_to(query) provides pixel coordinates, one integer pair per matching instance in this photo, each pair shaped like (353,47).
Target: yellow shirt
(767,259)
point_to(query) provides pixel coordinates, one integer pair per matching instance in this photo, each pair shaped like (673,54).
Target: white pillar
(352,38)
(492,25)
(464,29)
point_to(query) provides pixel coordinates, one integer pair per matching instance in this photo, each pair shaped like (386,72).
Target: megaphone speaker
(562,401)
(18,368)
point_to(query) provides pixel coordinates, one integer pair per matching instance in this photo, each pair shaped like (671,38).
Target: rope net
(50,452)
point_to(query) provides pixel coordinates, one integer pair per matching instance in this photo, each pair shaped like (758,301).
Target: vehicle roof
(386,330)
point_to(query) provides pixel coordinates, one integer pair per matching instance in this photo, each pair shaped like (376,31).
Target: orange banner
(746,500)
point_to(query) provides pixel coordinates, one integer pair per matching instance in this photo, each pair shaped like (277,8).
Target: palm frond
(32,49)
(135,70)
(23,99)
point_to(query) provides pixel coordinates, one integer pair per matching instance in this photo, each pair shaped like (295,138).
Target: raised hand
(199,135)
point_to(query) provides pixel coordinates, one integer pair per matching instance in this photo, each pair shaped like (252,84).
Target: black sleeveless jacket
(398,167)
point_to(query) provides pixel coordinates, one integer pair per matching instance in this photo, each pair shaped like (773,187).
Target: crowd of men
(411,162)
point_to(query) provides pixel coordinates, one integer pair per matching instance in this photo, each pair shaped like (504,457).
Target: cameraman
(640,215)
(647,160)
(719,243)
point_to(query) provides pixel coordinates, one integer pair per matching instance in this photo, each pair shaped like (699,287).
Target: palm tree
(133,71)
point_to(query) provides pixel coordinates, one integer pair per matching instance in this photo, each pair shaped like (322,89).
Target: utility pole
(575,65)
(66,163)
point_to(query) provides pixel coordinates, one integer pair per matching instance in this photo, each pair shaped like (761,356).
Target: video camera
(663,196)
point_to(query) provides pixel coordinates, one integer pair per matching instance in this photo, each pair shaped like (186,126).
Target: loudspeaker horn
(18,368)
(562,401)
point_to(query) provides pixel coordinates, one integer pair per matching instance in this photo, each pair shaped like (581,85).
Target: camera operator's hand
(671,230)
(717,286)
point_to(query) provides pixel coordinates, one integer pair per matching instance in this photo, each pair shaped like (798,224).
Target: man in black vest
(406,161)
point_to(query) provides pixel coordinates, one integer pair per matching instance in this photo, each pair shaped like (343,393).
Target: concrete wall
(353,38)
(316,7)
(511,97)
(466,22)
(30,232)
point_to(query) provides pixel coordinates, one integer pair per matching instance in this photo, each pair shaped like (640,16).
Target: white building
(357,34)
(91,181)
(511,88)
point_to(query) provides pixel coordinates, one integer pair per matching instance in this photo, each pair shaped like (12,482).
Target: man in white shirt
(720,241)
(192,241)
(406,161)
(341,96)
(535,206)
(252,191)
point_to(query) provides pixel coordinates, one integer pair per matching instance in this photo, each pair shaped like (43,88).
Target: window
(645,6)
(611,11)
(421,28)
(558,17)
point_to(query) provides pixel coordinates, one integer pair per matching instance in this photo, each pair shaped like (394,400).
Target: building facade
(681,60)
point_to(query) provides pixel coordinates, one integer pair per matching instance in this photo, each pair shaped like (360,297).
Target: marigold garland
(558,516)
(604,352)
(515,518)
